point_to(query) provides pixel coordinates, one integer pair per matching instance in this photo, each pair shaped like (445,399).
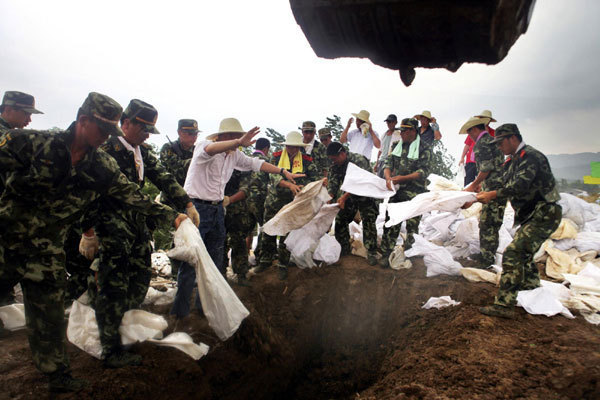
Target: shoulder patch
(522,153)
(307,157)
(4,139)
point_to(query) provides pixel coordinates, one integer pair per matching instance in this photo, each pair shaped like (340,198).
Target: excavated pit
(347,331)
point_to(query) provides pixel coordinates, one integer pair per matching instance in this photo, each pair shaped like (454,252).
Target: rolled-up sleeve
(245,163)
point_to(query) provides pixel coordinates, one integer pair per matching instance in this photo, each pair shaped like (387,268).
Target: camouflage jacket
(256,189)
(527,181)
(338,173)
(319,156)
(176,160)
(489,158)
(153,170)
(45,193)
(4,126)
(404,166)
(239,180)
(308,168)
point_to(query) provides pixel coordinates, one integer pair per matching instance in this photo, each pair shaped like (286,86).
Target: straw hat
(228,125)
(486,114)
(363,115)
(294,138)
(473,121)
(425,113)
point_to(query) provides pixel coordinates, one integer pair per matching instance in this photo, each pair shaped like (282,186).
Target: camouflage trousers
(77,266)
(123,278)
(368,213)
(519,272)
(490,221)
(42,278)
(239,224)
(268,244)
(390,235)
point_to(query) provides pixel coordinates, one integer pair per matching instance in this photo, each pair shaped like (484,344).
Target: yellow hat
(473,121)
(363,115)
(228,125)
(425,113)
(294,138)
(486,114)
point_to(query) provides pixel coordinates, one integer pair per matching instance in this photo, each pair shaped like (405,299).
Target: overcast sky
(250,60)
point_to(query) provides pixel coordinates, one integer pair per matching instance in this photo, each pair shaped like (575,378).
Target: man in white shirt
(362,139)
(211,166)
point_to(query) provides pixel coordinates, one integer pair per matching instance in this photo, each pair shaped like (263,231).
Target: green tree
(442,162)
(335,126)
(276,139)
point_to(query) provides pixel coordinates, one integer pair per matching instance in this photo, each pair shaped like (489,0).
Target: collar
(258,151)
(519,148)
(480,135)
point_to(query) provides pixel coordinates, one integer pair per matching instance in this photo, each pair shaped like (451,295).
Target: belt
(210,202)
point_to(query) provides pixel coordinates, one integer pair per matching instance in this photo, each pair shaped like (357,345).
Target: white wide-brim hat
(425,113)
(294,138)
(486,114)
(473,121)
(363,115)
(228,125)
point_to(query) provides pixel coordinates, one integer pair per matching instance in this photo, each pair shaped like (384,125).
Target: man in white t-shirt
(362,139)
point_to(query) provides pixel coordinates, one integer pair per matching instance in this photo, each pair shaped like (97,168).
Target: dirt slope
(347,331)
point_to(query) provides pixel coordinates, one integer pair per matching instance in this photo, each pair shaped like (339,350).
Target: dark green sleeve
(486,155)
(15,151)
(172,162)
(164,181)
(522,180)
(335,182)
(424,164)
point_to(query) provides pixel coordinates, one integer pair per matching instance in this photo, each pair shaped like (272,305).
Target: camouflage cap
(504,131)
(105,111)
(409,123)
(20,100)
(324,132)
(188,125)
(308,126)
(143,113)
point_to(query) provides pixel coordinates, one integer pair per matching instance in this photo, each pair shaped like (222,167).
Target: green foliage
(276,139)
(335,126)
(442,162)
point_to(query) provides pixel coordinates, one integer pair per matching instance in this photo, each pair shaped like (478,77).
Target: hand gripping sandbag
(223,310)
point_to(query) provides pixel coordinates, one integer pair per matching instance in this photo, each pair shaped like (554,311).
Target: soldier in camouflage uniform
(282,192)
(350,204)
(256,194)
(176,157)
(125,266)
(530,187)
(407,167)
(51,178)
(15,113)
(489,159)
(315,149)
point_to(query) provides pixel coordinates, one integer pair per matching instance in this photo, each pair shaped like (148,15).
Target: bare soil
(348,331)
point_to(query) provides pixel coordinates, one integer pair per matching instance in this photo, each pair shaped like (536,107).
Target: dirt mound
(347,331)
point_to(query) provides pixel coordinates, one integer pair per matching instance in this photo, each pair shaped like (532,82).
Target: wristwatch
(281,171)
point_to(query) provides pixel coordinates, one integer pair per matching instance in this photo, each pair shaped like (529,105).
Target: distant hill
(571,166)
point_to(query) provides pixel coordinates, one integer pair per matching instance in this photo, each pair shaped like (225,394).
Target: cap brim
(152,129)
(213,136)
(113,130)
(485,116)
(31,110)
(499,139)
(295,144)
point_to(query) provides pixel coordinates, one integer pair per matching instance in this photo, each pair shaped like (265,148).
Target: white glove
(226,201)
(88,246)
(193,215)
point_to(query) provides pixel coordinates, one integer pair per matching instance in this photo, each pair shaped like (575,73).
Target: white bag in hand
(223,310)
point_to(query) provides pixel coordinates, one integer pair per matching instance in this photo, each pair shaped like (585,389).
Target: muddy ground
(348,331)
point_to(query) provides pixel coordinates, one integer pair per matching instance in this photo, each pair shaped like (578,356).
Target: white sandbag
(440,226)
(438,260)
(480,275)
(159,298)
(583,284)
(13,316)
(558,290)
(363,183)
(437,183)
(306,239)
(590,270)
(584,241)
(473,211)
(136,325)
(183,342)
(223,310)
(304,260)
(440,302)
(542,301)
(161,263)
(426,202)
(561,262)
(328,250)
(466,238)
(459,179)
(300,211)
(139,326)
(398,260)
(578,210)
